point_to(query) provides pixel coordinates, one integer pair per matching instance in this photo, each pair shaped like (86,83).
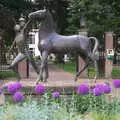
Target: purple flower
(14,87)
(56,94)
(99,86)
(83,89)
(0,91)
(106,88)
(116,83)
(97,91)
(18,85)
(11,88)
(18,97)
(40,89)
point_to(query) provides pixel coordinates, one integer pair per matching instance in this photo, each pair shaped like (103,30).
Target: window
(32,51)
(31,39)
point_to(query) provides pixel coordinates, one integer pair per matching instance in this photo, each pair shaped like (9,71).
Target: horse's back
(69,42)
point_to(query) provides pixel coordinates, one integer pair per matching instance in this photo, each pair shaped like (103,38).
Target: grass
(7,74)
(116,73)
(69,67)
(91,72)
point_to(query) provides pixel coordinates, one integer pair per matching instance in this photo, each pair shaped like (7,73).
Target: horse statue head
(37,15)
(46,20)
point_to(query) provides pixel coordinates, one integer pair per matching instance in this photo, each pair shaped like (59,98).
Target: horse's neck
(45,35)
(47,26)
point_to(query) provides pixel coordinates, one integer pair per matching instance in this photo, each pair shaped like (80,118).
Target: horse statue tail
(95,49)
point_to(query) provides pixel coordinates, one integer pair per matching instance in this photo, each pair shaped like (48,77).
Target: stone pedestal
(23,69)
(108,45)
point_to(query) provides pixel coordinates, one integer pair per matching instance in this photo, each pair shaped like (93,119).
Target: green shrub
(68,66)
(7,74)
(101,116)
(34,111)
(96,108)
(116,73)
(90,103)
(91,72)
(74,109)
(37,58)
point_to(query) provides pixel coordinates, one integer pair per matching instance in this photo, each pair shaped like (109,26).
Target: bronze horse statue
(52,42)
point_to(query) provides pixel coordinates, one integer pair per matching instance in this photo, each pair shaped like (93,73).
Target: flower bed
(85,104)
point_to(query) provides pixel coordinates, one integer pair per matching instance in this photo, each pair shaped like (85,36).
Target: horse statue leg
(42,66)
(45,73)
(31,60)
(15,69)
(87,63)
(96,71)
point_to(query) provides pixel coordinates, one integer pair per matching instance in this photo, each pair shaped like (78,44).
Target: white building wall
(35,45)
(37,53)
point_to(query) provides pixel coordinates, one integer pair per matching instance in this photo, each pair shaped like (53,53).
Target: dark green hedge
(7,74)
(116,73)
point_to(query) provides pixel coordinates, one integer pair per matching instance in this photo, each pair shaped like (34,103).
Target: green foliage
(68,66)
(100,104)
(17,7)
(81,103)
(37,58)
(34,111)
(10,11)
(116,73)
(59,11)
(91,72)
(7,74)
(89,102)
(79,107)
(100,16)
(101,116)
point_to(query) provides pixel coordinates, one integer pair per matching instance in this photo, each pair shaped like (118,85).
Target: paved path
(57,77)
(55,74)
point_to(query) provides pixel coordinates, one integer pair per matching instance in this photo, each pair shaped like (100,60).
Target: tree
(59,11)
(100,16)
(10,11)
